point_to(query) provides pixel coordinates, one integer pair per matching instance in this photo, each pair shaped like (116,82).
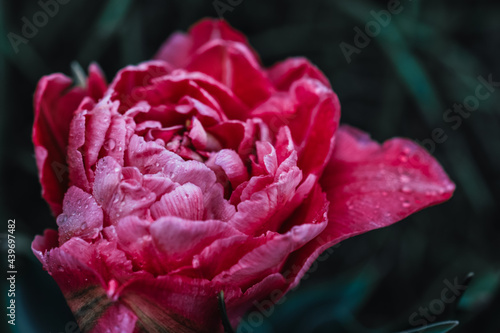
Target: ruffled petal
(233,65)
(370,186)
(176,304)
(81,216)
(177,240)
(89,276)
(54,103)
(311,110)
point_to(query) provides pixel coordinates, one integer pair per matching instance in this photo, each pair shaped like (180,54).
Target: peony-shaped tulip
(201,171)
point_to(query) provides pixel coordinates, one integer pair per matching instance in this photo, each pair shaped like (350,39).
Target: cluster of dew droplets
(404,178)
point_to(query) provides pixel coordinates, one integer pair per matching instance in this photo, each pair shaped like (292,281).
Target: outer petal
(81,216)
(284,73)
(311,110)
(54,104)
(180,46)
(89,276)
(176,304)
(370,186)
(177,240)
(234,65)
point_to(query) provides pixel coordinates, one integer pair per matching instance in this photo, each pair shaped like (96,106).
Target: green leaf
(442,327)
(481,291)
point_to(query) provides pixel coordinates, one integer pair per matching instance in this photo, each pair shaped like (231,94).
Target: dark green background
(401,84)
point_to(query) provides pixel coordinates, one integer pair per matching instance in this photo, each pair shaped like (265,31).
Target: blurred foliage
(401,84)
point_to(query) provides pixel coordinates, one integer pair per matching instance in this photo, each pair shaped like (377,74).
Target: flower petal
(81,216)
(233,65)
(370,186)
(89,276)
(177,240)
(185,201)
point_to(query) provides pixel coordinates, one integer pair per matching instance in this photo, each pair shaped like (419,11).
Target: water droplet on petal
(406,204)
(83,226)
(404,178)
(110,144)
(117,169)
(406,189)
(196,262)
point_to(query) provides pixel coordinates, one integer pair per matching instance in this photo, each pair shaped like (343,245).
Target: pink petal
(175,50)
(120,190)
(268,258)
(234,65)
(54,106)
(257,214)
(179,46)
(130,78)
(81,216)
(89,277)
(135,240)
(176,303)
(311,110)
(212,29)
(285,73)
(178,239)
(230,133)
(96,82)
(262,294)
(230,165)
(370,186)
(185,201)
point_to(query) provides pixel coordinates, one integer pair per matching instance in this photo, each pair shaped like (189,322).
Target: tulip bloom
(201,171)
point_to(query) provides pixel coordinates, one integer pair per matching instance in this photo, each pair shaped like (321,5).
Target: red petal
(284,73)
(269,257)
(179,46)
(89,276)
(186,201)
(177,240)
(176,304)
(81,216)
(370,186)
(311,110)
(54,107)
(234,65)
(131,78)
(175,50)
(54,104)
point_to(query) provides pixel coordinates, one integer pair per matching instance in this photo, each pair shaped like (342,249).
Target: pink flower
(200,172)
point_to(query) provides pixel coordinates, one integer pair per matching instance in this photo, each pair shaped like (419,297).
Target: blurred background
(400,79)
